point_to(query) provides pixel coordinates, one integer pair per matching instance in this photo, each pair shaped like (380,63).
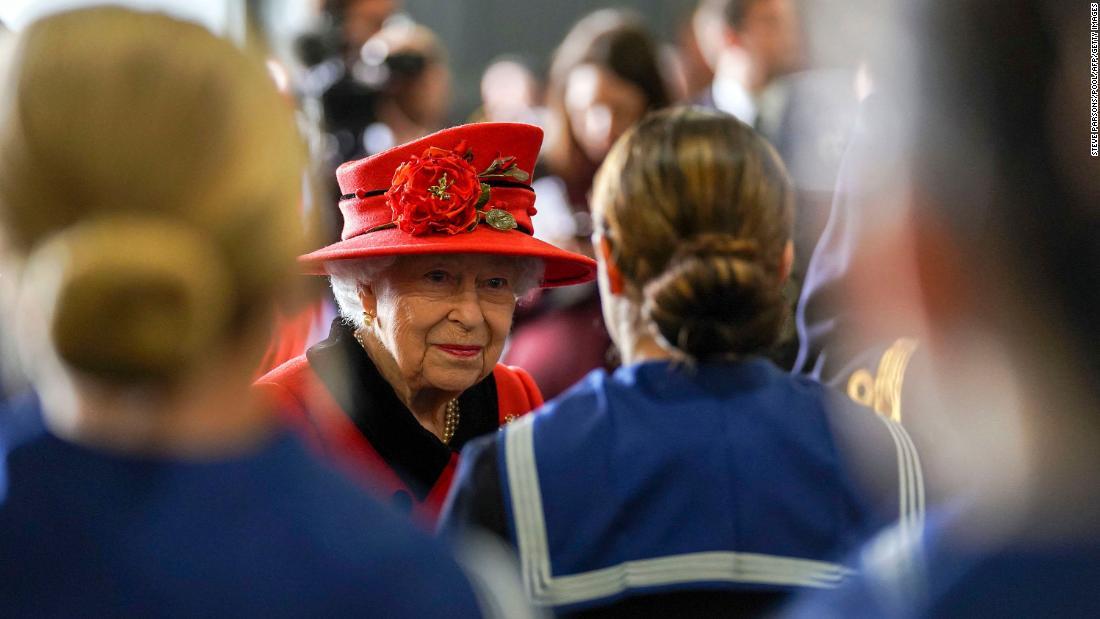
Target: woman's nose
(466,308)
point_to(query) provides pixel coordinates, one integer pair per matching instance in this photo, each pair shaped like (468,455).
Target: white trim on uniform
(719,566)
(910,480)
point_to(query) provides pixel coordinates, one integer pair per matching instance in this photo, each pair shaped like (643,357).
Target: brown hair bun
(697,208)
(715,297)
(130,298)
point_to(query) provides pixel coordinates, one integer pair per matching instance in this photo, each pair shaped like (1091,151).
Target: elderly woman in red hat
(436,248)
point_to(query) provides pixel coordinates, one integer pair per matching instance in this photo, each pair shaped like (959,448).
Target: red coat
(307,404)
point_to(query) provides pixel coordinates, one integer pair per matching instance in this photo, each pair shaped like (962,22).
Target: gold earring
(368,319)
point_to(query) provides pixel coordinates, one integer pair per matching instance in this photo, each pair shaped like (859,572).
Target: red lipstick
(457,350)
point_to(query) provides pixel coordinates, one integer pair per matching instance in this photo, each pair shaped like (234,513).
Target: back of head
(149,181)
(697,209)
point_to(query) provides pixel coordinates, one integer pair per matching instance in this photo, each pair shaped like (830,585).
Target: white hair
(347,276)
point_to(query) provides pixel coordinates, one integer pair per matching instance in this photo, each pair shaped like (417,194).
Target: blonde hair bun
(130,298)
(160,169)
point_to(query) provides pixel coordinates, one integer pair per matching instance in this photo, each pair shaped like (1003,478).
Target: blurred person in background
(870,360)
(809,114)
(604,77)
(333,54)
(761,41)
(698,479)
(692,50)
(148,190)
(437,247)
(510,92)
(359,21)
(997,259)
(408,64)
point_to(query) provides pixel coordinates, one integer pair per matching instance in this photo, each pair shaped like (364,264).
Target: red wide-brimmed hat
(463,190)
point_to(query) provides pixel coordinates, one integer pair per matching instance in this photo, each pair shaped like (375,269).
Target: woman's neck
(632,337)
(641,348)
(207,417)
(427,405)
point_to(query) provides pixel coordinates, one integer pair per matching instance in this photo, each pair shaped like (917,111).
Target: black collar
(413,452)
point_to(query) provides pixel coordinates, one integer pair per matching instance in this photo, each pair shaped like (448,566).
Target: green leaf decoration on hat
(505,167)
(517,174)
(500,219)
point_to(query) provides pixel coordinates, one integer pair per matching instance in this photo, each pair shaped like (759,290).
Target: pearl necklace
(450,420)
(450,423)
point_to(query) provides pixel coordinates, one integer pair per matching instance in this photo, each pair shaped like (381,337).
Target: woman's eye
(496,283)
(436,277)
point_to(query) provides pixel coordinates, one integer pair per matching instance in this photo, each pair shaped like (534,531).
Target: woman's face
(443,319)
(601,106)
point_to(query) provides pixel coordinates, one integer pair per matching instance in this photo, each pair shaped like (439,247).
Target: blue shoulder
(587,395)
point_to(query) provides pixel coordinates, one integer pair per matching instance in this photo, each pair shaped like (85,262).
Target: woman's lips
(463,352)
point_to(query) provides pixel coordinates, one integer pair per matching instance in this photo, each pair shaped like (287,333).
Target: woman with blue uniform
(698,478)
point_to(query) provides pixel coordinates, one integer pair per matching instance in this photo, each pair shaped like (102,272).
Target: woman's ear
(614,275)
(368,298)
(786,262)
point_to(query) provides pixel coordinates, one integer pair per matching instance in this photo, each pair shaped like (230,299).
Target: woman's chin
(453,379)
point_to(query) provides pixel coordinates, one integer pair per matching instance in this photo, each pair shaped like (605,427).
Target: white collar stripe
(717,566)
(910,479)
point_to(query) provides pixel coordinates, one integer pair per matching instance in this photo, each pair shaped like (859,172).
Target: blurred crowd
(787,315)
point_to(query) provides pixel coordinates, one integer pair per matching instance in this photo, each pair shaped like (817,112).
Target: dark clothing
(267,533)
(337,398)
(417,455)
(349,107)
(732,481)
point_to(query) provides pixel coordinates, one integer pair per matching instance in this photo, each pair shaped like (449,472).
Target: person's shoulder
(289,386)
(832,402)
(879,455)
(20,421)
(586,396)
(25,444)
(512,371)
(289,373)
(518,385)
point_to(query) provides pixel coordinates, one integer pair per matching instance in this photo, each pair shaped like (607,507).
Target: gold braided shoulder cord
(882,392)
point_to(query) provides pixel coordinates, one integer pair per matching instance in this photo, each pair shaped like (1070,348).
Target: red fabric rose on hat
(436,192)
